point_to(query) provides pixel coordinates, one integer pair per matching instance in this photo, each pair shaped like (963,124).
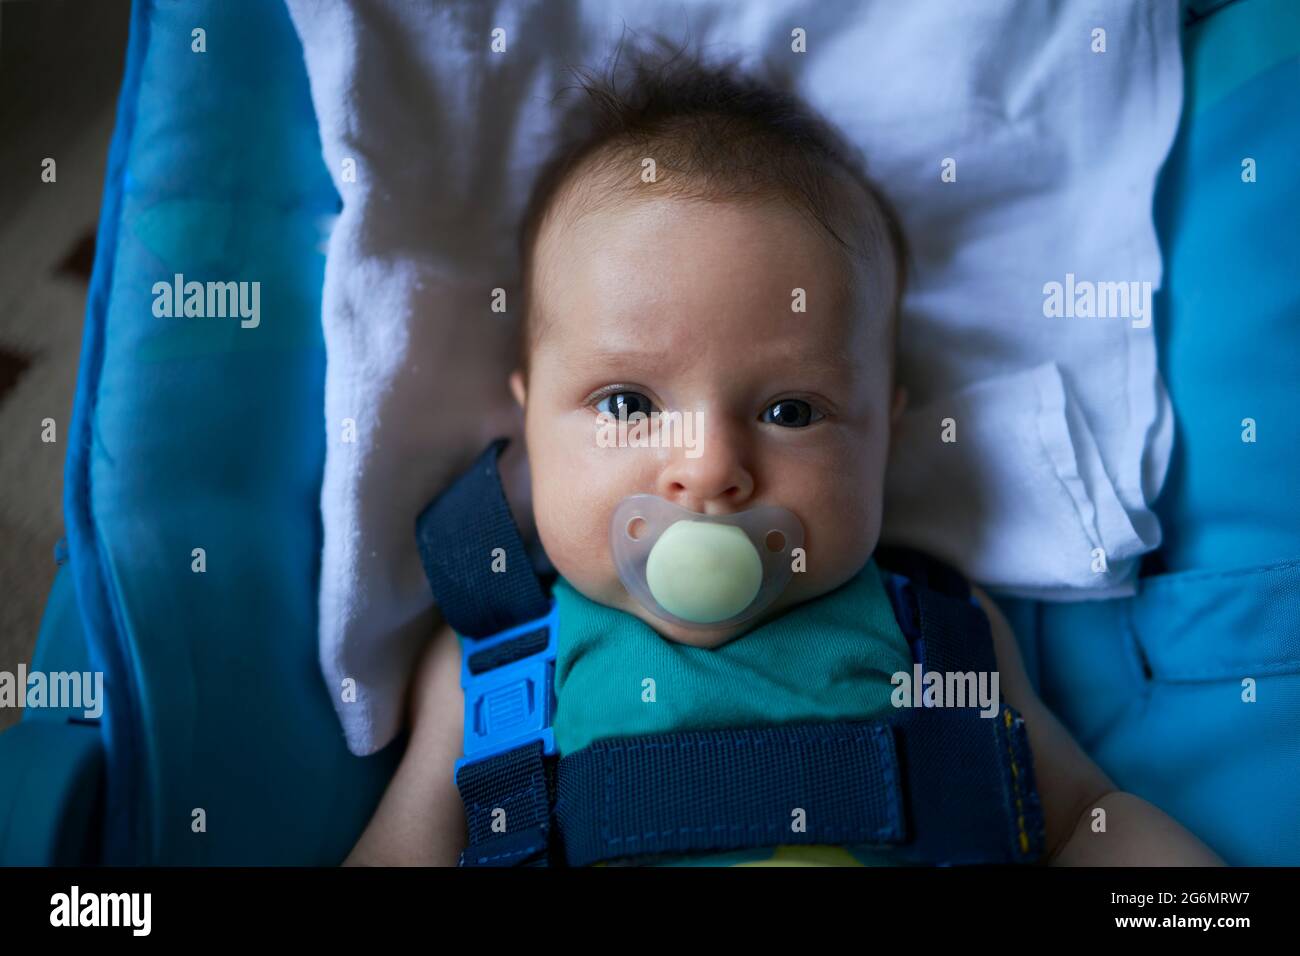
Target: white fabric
(1063,428)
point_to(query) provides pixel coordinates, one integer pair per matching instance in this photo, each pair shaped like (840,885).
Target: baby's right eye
(624,404)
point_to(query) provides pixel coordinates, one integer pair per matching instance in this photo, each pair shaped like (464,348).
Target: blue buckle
(509,706)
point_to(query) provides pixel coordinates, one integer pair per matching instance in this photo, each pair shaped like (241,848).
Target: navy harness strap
(971,790)
(990,812)
(514,792)
(458,534)
(947,629)
(726,790)
(483,592)
(955,634)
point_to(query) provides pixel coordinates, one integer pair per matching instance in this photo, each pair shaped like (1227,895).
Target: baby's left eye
(791,413)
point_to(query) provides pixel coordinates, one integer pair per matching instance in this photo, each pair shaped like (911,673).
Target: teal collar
(830,658)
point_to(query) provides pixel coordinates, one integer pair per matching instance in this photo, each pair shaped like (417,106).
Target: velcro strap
(508,807)
(834,783)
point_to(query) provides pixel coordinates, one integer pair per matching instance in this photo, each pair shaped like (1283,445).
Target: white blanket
(1018,152)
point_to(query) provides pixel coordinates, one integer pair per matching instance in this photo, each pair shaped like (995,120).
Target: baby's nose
(712,479)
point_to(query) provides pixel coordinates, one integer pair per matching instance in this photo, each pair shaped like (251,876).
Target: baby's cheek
(841,540)
(572,516)
(842,525)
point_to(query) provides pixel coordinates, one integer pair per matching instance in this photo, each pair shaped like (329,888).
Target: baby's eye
(791,413)
(625,404)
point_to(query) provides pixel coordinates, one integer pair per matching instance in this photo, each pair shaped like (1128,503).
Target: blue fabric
(61,646)
(1155,688)
(1189,694)
(1227,315)
(51,765)
(48,793)
(197,433)
(106,643)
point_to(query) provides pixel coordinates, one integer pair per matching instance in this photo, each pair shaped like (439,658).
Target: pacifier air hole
(775,541)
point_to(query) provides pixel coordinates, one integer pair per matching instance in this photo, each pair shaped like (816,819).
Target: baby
(704,246)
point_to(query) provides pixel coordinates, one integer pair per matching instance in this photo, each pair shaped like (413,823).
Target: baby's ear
(899,406)
(517,387)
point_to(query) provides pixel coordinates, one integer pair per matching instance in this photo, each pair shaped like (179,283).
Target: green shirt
(830,658)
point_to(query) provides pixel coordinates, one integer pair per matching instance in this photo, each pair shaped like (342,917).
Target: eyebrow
(811,364)
(604,356)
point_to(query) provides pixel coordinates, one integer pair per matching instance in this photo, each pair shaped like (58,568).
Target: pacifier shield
(703,570)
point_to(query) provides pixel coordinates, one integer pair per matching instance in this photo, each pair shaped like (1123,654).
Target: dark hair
(721,134)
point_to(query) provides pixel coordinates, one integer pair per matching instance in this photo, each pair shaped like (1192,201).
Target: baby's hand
(421,821)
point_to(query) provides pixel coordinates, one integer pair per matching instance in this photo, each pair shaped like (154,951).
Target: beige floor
(60,69)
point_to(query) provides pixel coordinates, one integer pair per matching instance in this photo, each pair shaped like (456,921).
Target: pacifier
(703,570)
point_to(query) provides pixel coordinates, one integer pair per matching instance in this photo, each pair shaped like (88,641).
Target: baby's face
(678,306)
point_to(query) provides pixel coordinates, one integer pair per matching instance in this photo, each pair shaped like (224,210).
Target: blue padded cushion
(1228,330)
(1189,693)
(48,794)
(197,433)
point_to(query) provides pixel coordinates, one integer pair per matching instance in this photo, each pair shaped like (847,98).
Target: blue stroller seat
(196,453)
(197,434)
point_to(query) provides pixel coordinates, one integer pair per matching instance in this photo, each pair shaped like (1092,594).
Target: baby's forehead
(619,246)
(658,285)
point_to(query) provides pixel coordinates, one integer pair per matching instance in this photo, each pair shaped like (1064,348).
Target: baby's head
(702,243)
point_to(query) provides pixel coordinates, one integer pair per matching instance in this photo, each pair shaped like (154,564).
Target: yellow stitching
(1015,783)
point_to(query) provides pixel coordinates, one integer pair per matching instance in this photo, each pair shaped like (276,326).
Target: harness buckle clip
(508,679)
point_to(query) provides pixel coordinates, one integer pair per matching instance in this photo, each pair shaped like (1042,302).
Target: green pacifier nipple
(704,572)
